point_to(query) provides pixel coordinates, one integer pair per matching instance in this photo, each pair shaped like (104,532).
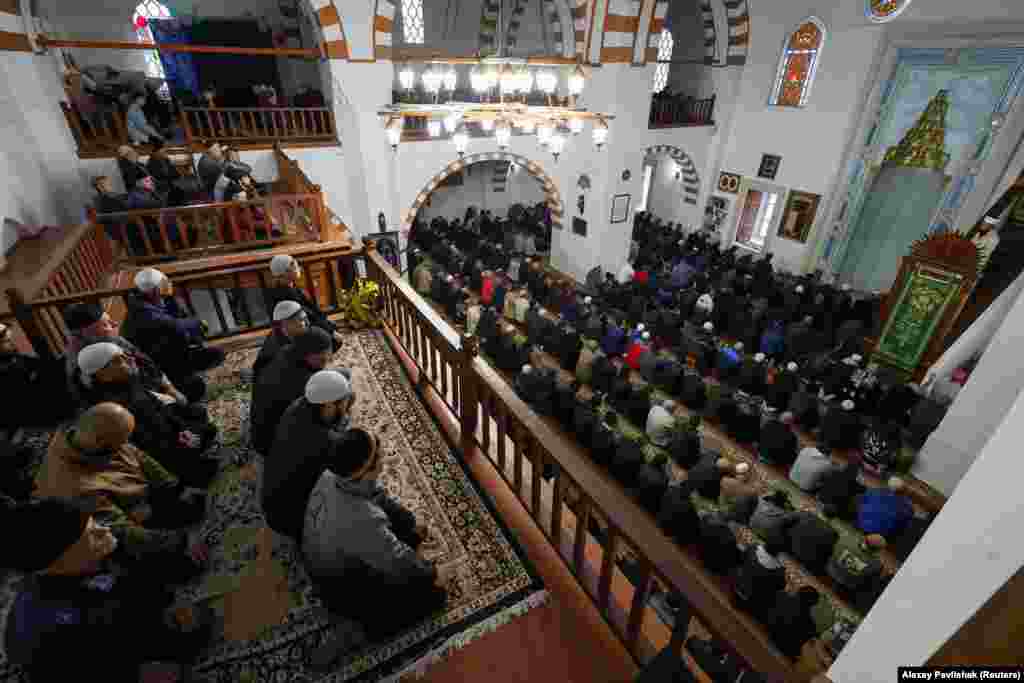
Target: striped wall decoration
(581,23)
(383,26)
(329,21)
(552,197)
(690,179)
(654,34)
(738,16)
(710,36)
(621,22)
(554,23)
(12,28)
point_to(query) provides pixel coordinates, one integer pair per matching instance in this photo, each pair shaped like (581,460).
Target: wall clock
(728,182)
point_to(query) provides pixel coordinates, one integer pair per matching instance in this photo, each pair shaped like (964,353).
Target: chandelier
(492,97)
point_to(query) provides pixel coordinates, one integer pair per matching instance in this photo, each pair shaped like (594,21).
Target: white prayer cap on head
(847,404)
(542,311)
(328,386)
(845,287)
(281,264)
(738,346)
(856,358)
(527,369)
(450,278)
(708,327)
(792,367)
(758,357)
(95,357)
(646,335)
(587,300)
(799,289)
(148,279)
(285,309)
(640,327)
(989,220)
(742,468)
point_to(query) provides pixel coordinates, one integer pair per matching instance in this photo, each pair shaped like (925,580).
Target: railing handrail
(270,108)
(668,561)
(56,258)
(207,207)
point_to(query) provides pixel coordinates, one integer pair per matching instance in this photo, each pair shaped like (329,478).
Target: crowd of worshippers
(760,352)
(112,521)
(220,176)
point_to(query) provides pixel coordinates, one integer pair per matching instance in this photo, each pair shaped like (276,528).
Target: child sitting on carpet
(361,545)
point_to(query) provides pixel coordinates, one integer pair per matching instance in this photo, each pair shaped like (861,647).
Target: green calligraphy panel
(921,304)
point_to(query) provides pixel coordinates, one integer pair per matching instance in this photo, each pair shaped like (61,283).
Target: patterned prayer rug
(269,621)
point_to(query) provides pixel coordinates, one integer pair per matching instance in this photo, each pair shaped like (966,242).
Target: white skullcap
(281,264)
(991,221)
(285,309)
(527,369)
(799,289)
(847,404)
(148,279)
(646,336)
(845,287)
(640,327)
(792,367)
(742,468)
(708,327)
(95,357)
(856,358)
(587,300)
(758,357)
(328,386)
(542,311)
(738,346)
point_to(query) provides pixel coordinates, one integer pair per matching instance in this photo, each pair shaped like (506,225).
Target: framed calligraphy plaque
(919,307)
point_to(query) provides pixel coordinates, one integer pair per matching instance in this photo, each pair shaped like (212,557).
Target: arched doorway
(553,198)
(688,177)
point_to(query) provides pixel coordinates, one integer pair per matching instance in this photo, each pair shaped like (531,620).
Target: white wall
(478,191)
(811,139)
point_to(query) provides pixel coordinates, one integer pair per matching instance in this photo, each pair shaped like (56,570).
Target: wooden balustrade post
(29,325)
(469,393)
(320,217)
(186,126)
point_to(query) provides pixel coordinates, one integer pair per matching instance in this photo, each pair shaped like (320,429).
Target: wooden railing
(230,300)
(203,229)
(496,424)
(288,124)
(290,175)
(99,135)
(677,112)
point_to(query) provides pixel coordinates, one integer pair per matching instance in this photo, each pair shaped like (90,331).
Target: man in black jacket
(289,322)
(35,388)
(286,274)
(175,435)
(301,449)
(283,381)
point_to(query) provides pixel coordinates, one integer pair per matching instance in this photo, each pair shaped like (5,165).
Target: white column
(970,551)
(978,409)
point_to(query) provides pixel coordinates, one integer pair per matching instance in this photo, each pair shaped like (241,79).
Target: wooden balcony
(681,112)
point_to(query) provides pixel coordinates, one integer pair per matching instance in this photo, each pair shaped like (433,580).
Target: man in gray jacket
(361,545)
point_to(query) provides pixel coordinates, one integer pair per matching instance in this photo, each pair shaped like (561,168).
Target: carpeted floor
(269,620)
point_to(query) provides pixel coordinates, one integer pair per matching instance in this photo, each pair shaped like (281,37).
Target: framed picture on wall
(579,226)
(769,167)
(797,219)
(620,208)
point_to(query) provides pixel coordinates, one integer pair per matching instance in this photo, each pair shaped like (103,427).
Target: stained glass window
(885,10)
(146,10)
(798,65)
(412,20)
(665,45)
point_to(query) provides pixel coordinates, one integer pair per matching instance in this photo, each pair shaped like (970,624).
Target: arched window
(798,65)
(412,20)
(146,10)
(665,45)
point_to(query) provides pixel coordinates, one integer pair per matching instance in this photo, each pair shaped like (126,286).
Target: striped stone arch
(738,16)
(553,198)
(691,181)
(332,35)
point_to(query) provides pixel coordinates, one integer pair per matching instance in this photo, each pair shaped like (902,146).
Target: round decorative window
(885,10)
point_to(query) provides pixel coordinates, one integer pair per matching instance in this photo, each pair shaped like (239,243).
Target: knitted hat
(285,310)
(79,316)
(43,530)
(95,357)
(148,279)
(328,386)
(313,340)
(758,357)
(792,367)
(709,327)
(281,264)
